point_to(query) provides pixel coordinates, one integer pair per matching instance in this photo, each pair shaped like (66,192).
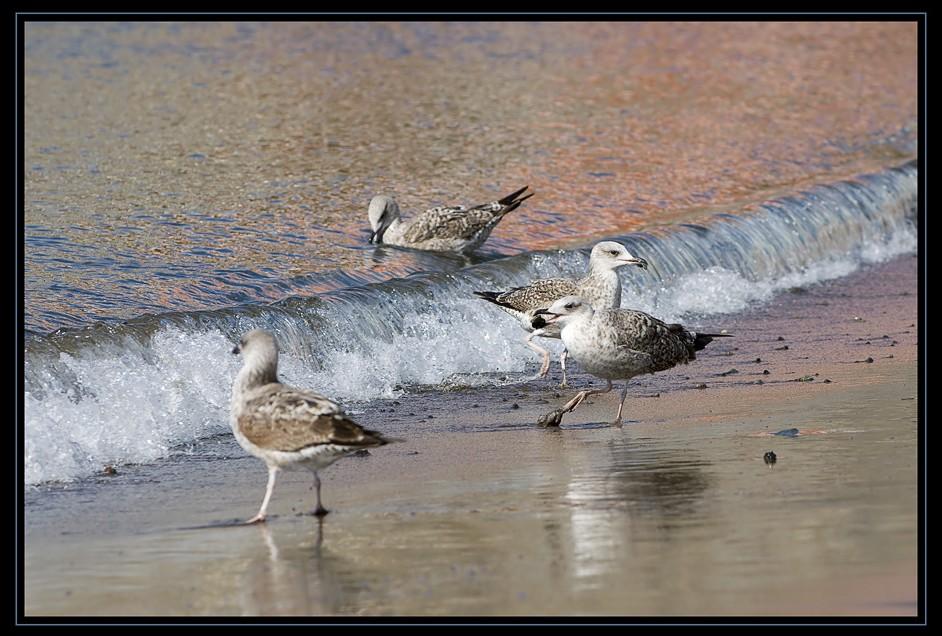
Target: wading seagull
(443,229)
(618,344)
(288,428)
(601,288)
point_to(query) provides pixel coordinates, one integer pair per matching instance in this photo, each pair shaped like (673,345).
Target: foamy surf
(112,394)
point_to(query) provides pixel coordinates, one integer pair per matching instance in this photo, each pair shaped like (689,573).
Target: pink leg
(272,471)
(562,363)
(621,405)
(320,510)
(544,368)
(582,395)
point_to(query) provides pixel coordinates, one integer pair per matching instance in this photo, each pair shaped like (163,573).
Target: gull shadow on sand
(230,523)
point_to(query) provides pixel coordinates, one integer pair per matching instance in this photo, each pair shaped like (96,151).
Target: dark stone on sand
(765,372)
(110,470)
(769,458)
(780,338)
(826,381)
(362,453)
(515,406)
(758,360)
(805,378)
(868,360)
(782,348)
(788,432)
(730,372)
(701,386)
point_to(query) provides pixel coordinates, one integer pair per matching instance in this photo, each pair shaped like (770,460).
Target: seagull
(618,344)
(444,228)
(601,287)
(285,427)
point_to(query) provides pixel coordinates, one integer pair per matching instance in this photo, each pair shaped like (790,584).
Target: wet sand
(479,512)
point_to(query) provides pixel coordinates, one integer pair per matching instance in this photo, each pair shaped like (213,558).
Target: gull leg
(272,472)
(544,368)
(562,363)
(320,510)
(555,417)
(621,405)
(582,395)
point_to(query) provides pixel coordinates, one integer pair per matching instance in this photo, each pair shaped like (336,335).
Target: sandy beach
(480,512)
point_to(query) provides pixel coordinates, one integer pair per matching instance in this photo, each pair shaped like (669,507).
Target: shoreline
(486,514)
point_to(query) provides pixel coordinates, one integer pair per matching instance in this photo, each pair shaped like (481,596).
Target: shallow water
(175,166)
(678,517)
(479,512)
(222,167)
(112,394)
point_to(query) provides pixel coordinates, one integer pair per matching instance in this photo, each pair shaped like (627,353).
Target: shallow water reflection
(182,166)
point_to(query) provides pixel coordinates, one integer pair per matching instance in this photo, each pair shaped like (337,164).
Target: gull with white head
(445,228)
(601,287)
(285,427)
(618,344)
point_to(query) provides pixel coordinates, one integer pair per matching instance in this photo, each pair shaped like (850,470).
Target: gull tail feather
(489,296)
(512,197)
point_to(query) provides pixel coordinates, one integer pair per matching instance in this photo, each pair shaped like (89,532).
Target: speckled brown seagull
(618,344)
(442,229)
(288,428)
(601,287)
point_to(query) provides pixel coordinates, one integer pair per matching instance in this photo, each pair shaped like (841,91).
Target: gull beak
(372,236)
(235,349)
(640,262)
(550,316)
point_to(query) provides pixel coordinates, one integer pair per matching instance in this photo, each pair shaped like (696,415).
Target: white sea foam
(127,402)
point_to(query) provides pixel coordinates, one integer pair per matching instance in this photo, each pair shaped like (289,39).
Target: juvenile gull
(618,344)
(445,228)
(288,428)
(601,287)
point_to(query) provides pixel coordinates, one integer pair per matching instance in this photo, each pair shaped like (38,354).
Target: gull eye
(568,305)
(614,252)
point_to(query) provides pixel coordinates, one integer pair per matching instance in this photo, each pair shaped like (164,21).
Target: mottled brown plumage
(619,344)
(453,228)
(286,427)
(278,417)
(601,287)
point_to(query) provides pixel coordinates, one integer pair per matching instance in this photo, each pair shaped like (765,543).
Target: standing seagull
(618,344)
(288,428)
(601,287)
(442,229)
